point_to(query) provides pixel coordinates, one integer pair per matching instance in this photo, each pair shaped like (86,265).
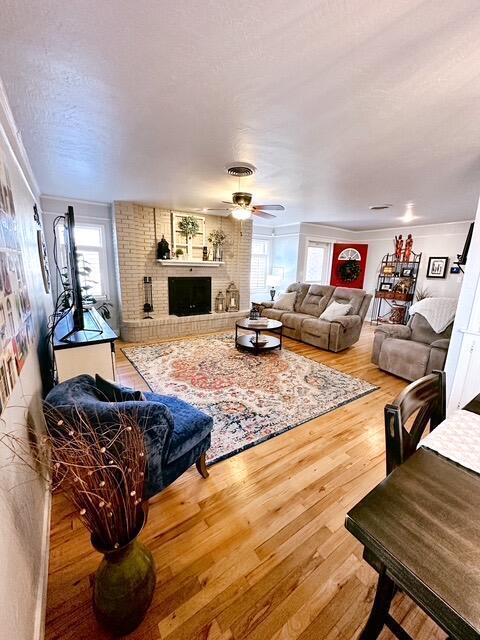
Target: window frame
(327,259)
(101,249)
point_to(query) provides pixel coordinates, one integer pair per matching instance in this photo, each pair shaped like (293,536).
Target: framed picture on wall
(437,267)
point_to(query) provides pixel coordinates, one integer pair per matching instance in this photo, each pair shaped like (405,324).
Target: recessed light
(379,207)
(408,216)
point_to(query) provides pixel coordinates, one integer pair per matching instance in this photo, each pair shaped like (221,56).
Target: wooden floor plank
(258,551)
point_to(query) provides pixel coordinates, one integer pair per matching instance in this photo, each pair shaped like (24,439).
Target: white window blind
(259,265)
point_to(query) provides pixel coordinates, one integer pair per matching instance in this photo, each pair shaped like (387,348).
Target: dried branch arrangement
(101,470)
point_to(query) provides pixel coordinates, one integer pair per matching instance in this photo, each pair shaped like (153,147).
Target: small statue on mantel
(408,248)
(163,249)
(398,247)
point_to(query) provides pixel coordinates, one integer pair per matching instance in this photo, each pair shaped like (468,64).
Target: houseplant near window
(101,470)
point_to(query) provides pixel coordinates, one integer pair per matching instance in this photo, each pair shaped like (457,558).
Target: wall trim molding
(13,138)
(79,216)
(361,231)
(63,198)
(41,600)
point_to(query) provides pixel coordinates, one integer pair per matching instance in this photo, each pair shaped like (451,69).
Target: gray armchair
(411,351)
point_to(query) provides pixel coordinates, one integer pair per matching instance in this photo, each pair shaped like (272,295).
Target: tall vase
(217,253)
(124,586)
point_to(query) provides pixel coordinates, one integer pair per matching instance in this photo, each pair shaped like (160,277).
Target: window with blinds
(259,264)
(91,251)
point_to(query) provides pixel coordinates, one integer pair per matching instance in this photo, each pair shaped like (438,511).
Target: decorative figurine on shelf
(163,249)
(148,297)
(219,303)
(408,248)
(254,311)
(398,247)
(403,285)
(205,254)
(233,298)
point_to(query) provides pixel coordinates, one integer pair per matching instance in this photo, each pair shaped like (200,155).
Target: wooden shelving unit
(395,290)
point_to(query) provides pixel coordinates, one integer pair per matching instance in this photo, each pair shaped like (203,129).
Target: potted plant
(189,227)
(104,308)
(179,254)
(217,239)
(102,473)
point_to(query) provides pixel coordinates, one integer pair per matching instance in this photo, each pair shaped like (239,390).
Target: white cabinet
(88,351)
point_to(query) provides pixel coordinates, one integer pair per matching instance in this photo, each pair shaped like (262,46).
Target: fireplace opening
(189,296)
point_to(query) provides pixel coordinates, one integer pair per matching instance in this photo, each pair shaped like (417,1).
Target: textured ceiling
(340,104)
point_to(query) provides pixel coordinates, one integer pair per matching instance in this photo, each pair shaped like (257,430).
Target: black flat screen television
(462,257)
(75,293)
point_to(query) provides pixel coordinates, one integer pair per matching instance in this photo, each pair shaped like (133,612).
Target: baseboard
(41,605)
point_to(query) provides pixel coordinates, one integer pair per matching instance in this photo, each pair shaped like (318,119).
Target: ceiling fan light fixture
(379,207)
(241,213)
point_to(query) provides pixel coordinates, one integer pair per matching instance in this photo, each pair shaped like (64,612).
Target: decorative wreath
(349,271)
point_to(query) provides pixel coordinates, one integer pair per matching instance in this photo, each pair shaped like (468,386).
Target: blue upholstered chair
(176,434)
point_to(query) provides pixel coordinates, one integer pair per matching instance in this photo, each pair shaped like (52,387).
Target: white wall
(24,502)
(431,240)
(85,212)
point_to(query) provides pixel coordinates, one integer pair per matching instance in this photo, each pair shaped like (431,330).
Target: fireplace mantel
(190,263)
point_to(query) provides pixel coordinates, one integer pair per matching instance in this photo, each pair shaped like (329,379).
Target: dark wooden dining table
(422,526)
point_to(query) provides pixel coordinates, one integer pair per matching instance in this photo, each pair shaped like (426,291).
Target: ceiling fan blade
(269,207)
(262,214)
(221,209)
(226,202)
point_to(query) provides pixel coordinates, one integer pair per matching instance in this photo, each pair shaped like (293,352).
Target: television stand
(90,350)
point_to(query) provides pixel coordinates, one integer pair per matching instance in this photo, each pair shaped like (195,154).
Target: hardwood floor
(258,550)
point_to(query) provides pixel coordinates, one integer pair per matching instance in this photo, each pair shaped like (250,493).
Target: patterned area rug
(251,398)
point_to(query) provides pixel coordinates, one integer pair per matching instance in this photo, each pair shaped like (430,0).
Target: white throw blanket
(438,312)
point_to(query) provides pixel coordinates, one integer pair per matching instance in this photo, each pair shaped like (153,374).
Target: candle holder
(233,298)
(219,303)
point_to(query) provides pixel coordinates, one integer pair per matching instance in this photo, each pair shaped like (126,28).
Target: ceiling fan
(242,208)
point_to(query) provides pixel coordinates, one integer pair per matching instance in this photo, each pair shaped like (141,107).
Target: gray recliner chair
(410,351)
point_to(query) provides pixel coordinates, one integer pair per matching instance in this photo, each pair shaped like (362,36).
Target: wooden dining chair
(426,397)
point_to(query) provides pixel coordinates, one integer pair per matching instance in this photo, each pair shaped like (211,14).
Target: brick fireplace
(137,231)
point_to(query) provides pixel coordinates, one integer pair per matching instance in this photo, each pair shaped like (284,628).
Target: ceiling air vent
(240,169)
(379,207)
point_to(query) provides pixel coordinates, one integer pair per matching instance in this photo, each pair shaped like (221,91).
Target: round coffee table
(257,342)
